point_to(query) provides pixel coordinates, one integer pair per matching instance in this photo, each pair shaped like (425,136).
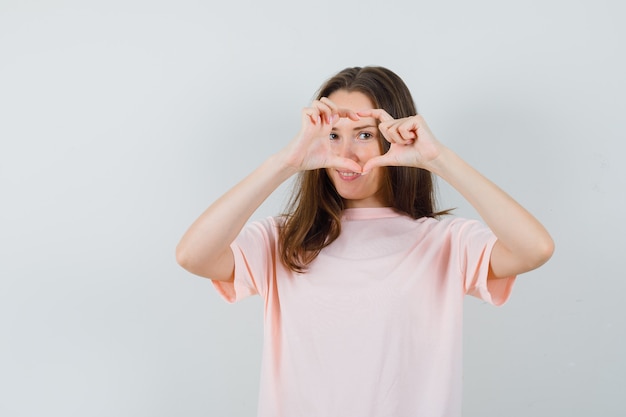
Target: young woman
(362,281)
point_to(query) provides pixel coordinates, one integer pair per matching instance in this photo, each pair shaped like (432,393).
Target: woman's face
(359,141)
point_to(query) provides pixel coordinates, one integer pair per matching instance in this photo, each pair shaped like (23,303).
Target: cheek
(371,151)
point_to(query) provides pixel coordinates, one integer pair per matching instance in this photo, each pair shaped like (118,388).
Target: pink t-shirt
(374,327)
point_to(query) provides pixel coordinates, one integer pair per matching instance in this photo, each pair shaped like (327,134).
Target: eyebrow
(366,127)
(362,127)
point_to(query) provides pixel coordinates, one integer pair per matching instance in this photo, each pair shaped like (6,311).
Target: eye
(365,136)
(333,136)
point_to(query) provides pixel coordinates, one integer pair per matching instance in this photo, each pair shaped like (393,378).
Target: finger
(347,113)
(334,110)
(337,112)
(312,114)
(407,134)
(322,110)
(379,161)
(328,102)
(390,131)
(331,113)
(408,130)
(347,164)
(378,114)
(398,131)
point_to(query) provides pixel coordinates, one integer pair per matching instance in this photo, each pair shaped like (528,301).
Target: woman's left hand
(412,142)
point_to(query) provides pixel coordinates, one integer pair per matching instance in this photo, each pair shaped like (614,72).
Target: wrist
(282,165)
(442,163)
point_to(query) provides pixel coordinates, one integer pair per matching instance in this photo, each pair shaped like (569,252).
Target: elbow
(549,249)
(534,253)
(542,253)
(206,267)
(182,257)
(188,261)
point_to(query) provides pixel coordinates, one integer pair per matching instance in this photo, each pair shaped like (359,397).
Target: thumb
(377,161)
(345,164)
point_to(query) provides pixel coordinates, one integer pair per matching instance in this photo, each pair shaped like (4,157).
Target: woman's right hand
(205,249)
(310,149)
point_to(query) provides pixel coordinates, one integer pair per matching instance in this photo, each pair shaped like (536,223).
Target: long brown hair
(313,217)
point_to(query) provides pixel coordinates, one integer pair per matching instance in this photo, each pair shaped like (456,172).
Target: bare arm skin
(523,243)
(204,249)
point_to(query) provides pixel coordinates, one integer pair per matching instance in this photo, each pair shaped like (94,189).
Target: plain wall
(121,121)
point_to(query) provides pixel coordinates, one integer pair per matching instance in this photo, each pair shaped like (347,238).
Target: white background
(120,121)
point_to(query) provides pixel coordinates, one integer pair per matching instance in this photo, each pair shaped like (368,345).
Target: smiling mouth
(348,175)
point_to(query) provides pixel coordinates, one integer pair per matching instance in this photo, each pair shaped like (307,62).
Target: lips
(348,175)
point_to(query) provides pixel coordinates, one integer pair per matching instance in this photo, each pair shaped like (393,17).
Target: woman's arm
(523,243)
(204,249)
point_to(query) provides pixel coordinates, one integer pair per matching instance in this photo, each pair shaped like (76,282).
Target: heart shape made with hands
(411,141)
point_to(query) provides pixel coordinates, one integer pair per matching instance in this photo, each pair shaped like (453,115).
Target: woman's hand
(412,142)
(523,243)
(205,248)
(310,149)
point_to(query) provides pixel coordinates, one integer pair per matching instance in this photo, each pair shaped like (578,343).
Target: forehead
(353,100)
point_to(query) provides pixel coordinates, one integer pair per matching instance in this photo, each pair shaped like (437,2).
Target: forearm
(523,242)
(205,248)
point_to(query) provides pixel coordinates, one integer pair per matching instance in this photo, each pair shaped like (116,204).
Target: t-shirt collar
(367,213)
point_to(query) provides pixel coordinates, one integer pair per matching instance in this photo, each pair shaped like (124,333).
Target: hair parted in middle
(312,220)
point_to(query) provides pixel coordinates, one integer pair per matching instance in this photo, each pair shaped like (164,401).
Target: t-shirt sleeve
(474,242)
(254,255)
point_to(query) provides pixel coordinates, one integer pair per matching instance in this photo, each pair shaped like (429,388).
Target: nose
(345,149)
